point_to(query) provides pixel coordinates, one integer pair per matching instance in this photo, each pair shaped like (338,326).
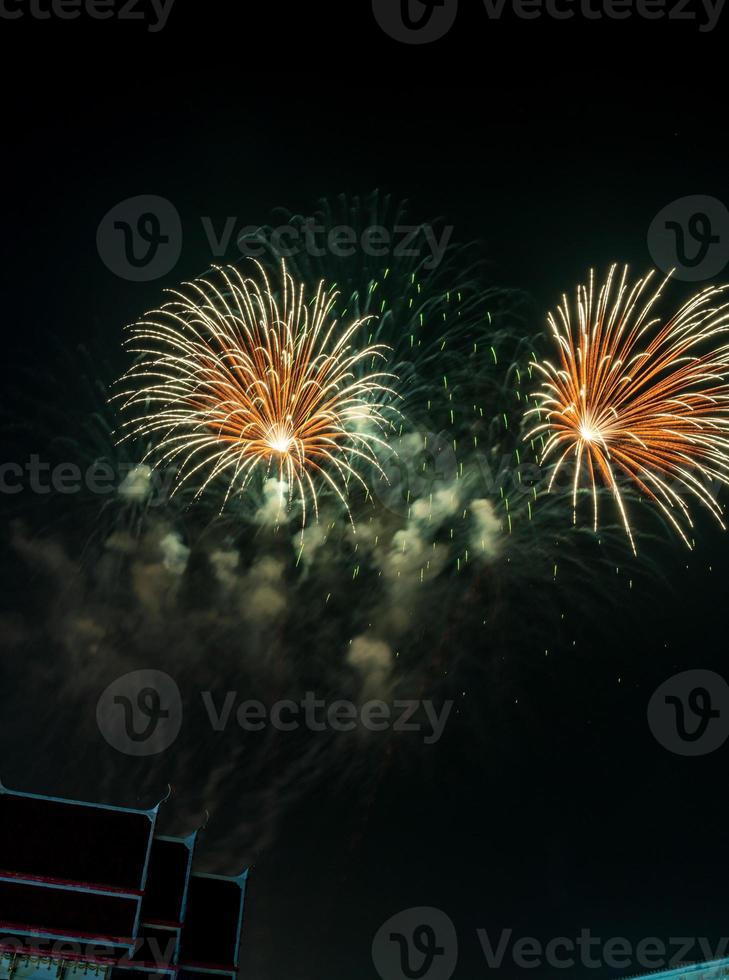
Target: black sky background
(554,145)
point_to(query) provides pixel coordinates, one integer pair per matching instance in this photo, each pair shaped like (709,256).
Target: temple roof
(103,847)
(98,875)
(169,873)
(211,938)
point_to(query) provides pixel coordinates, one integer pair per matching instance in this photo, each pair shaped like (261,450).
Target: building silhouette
(92,891)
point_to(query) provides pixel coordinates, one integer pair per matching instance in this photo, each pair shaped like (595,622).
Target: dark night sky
(552,808)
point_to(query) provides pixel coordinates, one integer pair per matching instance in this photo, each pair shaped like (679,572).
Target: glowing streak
(234,379)
(630,396)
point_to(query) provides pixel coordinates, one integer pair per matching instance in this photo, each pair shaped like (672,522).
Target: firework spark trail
(232,380)
(637,395)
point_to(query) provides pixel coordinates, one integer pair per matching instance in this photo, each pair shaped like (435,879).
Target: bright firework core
(279,441)
(589,433)
(235,378)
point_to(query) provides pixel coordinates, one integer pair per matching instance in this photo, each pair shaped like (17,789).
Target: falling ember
(633,395)
(233,379)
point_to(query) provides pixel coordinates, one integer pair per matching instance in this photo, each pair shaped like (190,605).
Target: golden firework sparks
(637,396)
(234,379)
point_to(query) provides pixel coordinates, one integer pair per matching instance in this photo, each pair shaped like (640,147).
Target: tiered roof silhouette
(93,889)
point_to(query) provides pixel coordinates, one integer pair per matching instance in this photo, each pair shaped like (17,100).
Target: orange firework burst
(638,396)
(234,379)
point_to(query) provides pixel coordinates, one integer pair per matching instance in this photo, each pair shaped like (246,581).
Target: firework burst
(234,379)
(635,396)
